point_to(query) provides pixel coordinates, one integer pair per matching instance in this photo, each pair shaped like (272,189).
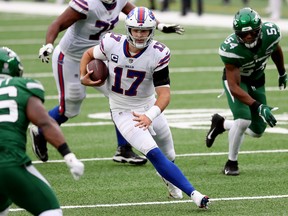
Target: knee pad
(73,99)
(75,92)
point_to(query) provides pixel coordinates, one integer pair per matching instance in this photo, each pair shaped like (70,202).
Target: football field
(112,189)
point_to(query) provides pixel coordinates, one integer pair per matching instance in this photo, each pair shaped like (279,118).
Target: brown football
(100,70)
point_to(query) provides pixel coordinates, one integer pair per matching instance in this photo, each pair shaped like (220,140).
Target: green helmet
(10,63)
(247,21)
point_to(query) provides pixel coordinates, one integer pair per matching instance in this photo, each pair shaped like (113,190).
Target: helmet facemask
(255,33)
(108,1)
(140,19)
(247,21)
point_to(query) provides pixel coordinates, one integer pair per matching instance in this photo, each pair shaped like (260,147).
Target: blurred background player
(138,67)
(86,21)
(245,55)
(21,102)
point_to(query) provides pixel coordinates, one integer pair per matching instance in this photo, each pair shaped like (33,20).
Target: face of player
(140,36)
(249,37)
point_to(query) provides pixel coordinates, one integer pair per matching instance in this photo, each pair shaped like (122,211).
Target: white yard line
(166,202)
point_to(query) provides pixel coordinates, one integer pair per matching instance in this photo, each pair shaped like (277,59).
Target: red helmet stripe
(141,15)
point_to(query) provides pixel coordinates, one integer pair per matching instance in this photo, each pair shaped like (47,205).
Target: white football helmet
(143,19)
(109,1)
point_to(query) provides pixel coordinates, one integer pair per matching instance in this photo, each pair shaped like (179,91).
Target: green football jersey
(251,62)
(14,95)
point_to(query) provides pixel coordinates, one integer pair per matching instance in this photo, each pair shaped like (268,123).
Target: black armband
(161,77)
(254,106)
(64,149)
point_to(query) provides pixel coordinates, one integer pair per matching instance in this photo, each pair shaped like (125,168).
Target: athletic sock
(54,113)
(169,171)
(120,139)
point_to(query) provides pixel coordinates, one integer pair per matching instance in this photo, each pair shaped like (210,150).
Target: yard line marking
(179,155)
(178,92)
(173,52)
(171,70)
(165,202)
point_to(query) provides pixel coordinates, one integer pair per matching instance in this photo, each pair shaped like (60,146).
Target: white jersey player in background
(86,21)
(138,66)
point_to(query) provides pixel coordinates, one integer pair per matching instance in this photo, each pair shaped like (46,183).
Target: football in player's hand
(100,70)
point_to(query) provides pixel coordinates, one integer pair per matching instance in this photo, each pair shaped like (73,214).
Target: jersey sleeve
(162,56)
(34,88)
(108,41)
(230,52)
(271,35)
(80,6)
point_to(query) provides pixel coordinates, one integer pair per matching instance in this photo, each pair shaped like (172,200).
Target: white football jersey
(130,81)
(86,33)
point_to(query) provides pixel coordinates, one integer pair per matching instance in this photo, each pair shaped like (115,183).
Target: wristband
(160,26)
(153,112)
(64,149)
(254,106)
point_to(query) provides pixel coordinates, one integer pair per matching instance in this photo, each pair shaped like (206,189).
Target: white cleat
(174,192)
(199,199)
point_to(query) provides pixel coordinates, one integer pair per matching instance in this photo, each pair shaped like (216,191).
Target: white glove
(45,51)
(76,167)
(170,28)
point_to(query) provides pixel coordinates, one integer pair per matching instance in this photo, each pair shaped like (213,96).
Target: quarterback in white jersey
(131,76)
(86,22)
(138,66)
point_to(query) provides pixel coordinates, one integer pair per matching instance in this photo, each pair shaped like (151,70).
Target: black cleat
(215,129)
(231,168)
(125,154)
(39,146)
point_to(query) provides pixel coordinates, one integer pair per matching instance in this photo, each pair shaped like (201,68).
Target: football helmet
(10,63)
(247,21)
(140,18)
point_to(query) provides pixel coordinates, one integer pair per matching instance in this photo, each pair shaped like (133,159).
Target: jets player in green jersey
(21,102)
(245,54)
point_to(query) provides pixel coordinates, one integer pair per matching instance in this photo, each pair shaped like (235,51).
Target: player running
(245,54)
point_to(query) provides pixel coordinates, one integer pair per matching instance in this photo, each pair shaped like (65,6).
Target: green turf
(105,182)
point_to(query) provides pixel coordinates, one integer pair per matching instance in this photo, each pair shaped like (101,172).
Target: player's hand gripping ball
(100,70)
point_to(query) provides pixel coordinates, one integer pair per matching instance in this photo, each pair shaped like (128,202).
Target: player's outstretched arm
(170,28)
(38,115)
(165,28)
(61,23)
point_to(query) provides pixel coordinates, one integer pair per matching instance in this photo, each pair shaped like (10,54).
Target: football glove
(45,51)
(282,80)
(170,28)
(76,167)
(266,114)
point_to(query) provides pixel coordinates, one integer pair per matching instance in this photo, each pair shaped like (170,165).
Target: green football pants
(242,111)
(27,188)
